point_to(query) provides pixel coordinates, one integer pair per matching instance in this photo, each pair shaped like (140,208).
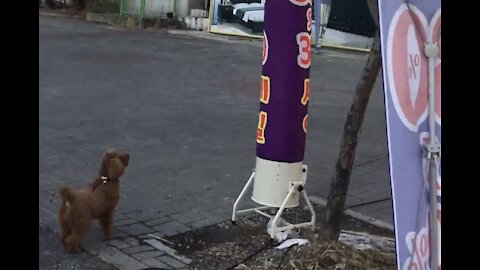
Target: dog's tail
(66,194)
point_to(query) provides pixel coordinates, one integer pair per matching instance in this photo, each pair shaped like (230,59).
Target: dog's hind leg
(79,228)
(74,239)
(73,243)
(64,228)
(64,231)
(106,222)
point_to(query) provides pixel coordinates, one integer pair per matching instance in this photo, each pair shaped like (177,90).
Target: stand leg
(244,190)
(312,212)
(280,211)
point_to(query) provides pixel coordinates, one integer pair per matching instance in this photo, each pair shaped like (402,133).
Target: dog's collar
(104,180)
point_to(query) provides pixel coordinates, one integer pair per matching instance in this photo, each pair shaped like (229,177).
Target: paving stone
(168,250)
(125,221)
(157,221)
(136,229)
(180,218)
(171,228)
(201,223)
(152,262)
(138,249)
(147,254)
(117,244)
(133,242)
(171,261)
(119,259)
(138,216)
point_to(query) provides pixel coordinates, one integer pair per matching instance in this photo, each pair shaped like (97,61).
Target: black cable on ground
(365,203)
(283,257)
(264,247)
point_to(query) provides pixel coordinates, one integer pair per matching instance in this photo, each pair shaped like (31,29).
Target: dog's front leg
(106,222)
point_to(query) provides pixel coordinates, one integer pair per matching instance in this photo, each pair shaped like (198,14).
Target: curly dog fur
(97,200)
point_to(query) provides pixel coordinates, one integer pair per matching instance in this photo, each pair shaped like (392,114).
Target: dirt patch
(246,245)
(321,255)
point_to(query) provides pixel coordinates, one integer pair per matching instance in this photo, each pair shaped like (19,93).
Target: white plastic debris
(290,242)
(280,236)
(363,241)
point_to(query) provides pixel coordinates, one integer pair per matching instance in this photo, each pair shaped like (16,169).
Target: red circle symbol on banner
(407,65)
(435,25)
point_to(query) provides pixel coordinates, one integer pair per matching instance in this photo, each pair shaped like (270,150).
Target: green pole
(142,8)
(174,8)
(121,7)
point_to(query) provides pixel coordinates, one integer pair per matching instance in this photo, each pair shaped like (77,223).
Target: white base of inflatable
(276,185)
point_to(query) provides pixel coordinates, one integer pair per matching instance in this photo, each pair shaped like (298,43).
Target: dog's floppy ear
(116,168)
(104,163)
(125,159)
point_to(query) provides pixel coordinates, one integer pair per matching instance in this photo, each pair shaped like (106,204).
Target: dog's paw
(107,237)
(63,241)
(73,249)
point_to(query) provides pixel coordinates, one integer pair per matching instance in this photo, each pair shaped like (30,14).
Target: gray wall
(184,6)
(158,8)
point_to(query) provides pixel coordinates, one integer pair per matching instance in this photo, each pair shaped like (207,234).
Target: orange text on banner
(262,123)
(306,91)
(265,90)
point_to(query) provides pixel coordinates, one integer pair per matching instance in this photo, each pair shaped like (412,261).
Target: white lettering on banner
(419,247)
(265,48)
(309,19)
(304,56)
(301,3)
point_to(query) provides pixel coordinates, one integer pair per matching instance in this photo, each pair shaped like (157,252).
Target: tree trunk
(343,168)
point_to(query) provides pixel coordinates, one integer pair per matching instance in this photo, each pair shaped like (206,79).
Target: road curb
(356,215)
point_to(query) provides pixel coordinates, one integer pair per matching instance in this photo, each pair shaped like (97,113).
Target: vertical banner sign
(404,29)
(284,93)
(285,81)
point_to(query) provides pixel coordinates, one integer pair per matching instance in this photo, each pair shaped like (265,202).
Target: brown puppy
(95,201)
